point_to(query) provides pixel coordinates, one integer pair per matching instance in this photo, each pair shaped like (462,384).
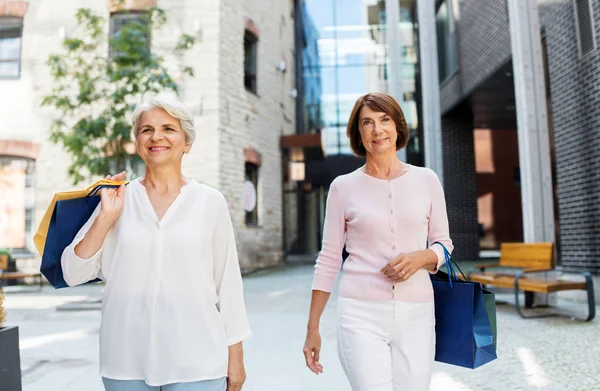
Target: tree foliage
(93,92)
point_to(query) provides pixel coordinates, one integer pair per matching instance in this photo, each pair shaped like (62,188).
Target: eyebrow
(381,116)
(163,125)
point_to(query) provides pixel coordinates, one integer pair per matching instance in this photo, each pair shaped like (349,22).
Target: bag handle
(94,192)
(450,264)
(105,182)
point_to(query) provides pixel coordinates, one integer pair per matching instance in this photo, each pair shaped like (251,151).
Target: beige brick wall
(228,118)
(256,120)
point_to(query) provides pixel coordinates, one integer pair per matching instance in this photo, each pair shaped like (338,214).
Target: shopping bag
(465,316)
(65,216)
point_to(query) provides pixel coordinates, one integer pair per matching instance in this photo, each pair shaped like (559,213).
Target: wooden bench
(16,275)
(530,258)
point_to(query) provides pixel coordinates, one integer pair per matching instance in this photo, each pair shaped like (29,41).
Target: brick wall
(249,120)
(228,118)
(483,45)
(460,184)
(574,85)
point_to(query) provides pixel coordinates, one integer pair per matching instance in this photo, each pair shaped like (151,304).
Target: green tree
(93,92)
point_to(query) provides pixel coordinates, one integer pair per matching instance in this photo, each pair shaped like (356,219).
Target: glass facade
(353,59)
(310,65)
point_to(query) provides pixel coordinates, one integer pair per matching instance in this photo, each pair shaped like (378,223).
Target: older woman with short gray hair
(173,313)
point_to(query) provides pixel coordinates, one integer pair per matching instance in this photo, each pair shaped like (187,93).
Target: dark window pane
(250,60)
(131,24)
(10,47)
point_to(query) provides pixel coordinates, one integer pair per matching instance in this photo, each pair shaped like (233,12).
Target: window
(585,26)
(11,30)
(17,186)
(250,44)
(130,27)
(251,194)
(446,39)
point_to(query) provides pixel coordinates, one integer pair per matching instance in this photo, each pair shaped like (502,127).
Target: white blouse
(173,300)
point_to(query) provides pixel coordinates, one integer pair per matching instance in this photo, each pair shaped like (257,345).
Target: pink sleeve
(438,222)
(329,261)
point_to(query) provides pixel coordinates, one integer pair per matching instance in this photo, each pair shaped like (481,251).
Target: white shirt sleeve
(77,270)
(228,278)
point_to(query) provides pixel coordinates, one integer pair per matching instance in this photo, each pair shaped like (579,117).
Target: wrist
(106,218)
(312,327)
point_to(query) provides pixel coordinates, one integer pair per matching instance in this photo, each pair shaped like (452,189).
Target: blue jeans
(140,385)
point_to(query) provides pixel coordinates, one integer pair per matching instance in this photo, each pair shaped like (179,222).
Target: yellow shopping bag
(42,233)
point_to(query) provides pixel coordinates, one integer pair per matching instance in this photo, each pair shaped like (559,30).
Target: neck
(384,165)
(163,179)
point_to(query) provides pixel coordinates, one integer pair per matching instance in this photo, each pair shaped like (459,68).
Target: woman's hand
(405,265)
(113,200)
(312,350)
(236,373)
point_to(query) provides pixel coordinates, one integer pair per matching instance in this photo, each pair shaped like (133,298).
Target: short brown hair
(380,102)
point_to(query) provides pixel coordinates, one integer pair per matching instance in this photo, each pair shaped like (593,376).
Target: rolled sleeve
(77,270)
(439,230)
(329,261)
(228,278)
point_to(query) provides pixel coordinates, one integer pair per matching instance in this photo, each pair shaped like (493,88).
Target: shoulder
(207,192)
(347,181)
(425,174)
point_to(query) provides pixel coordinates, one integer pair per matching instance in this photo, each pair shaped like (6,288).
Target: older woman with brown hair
(389,214)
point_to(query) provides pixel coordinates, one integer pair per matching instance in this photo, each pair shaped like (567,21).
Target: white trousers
(386,345)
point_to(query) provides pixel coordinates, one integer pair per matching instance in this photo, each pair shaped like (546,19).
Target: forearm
(236,353)
(317,306)
(94,238)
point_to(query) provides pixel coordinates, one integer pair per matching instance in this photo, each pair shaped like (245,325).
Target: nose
(377,128)
(156,135)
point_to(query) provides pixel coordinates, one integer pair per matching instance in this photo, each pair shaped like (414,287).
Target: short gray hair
(172,106)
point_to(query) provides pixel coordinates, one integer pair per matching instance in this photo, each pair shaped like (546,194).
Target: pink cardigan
(380,219)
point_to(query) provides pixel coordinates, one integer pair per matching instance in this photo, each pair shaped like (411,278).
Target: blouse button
(390,196)
(391,212)
(393,247)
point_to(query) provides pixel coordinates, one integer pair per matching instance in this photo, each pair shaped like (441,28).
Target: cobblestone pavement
(59,348)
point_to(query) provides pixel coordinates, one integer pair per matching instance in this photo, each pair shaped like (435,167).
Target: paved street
(60,348)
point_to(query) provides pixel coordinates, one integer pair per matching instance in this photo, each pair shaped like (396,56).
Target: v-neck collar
(171,208)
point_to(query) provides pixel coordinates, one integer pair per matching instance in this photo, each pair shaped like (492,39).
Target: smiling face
(377,131)
(160,140)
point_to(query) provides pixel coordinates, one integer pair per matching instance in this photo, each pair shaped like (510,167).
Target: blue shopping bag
(67,219)
(464,335)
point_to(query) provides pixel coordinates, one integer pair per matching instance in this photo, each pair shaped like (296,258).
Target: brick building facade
(238,128)
(480,95)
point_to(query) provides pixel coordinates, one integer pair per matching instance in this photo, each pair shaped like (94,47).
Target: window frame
(118,16)
(251,78)
(252,173)
(18,24)
(29,193)
(578,29)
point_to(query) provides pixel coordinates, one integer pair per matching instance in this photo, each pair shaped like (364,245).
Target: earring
(359,142)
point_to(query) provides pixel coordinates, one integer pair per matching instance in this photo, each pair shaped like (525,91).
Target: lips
(379,141)
(158,149)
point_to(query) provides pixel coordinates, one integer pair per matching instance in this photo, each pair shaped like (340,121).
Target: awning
(311,145)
